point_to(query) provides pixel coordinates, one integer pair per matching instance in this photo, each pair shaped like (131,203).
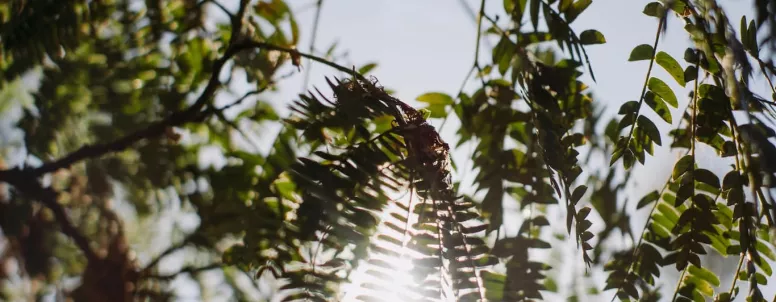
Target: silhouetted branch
(176,119)
(48,197)
(220,6)
(167,252)
(316,22)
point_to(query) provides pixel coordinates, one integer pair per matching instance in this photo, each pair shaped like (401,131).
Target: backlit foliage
(131,96)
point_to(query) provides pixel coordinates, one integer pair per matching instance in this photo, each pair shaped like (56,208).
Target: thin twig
(476,64)
(646,82)
(735,276)
(679,283)
(166,253)
(220,6)
(316,23)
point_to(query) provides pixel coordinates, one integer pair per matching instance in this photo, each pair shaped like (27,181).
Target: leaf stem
(679,283)
(694,114)
(646,82)
(643,231)
(479,35)
(316,22)
(735,276)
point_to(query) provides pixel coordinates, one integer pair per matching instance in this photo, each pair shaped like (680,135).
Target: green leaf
(509,6)
(691,56)
(575,9)
(751,39)
(707,177)
(564,5)
(550,285)
(743,31)
(647,199)
(435,98)
(683,165)
(671,66)
(629,107)
(690,73)
(654,9)
(582,214)
(578,193)
(591,36)
(615,156)
(367,68)
(661,89)
(649,128)
(641,52)
(628,159)
(765,250)
(699,285)
(658,106)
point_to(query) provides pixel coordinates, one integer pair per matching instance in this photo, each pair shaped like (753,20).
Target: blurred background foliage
(118,108)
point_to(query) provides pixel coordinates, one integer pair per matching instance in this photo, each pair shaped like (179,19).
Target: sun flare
(386,276)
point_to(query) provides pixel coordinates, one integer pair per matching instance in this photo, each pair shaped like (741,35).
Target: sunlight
(386,277)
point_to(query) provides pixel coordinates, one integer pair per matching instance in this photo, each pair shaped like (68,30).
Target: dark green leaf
(654,9)
(647,199)
(629,107)
(691,56)
(683,165)
(658,106)
(732,179)
(707,177)
(591,36)
(578,193)
(690,73)
(582,214)
(641,52)
(649,128)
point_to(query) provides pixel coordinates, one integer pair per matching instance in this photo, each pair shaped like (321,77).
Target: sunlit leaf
(661,89)
(671,66)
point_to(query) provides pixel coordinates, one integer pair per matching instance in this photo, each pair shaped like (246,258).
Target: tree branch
(316,22)
(158,128)
(167,252)
(48,197)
